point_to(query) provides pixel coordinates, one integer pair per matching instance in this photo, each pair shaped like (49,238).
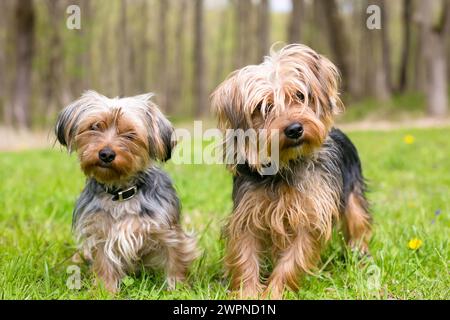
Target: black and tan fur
(117,237)
(288,216)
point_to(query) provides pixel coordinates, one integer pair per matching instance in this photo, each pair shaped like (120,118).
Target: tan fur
(116,131)
(243,264)
(261,96)
(121,235)
(292,85)
(293,222)
(118,245)
(300,257)
(356,224)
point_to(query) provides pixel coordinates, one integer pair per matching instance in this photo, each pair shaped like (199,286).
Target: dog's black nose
(294,131)
(106,155)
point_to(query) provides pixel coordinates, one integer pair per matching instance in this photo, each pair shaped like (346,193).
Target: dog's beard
(123,168)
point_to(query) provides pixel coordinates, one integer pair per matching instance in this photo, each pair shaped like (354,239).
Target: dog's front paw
(274,291)
(272,295)
(111,285)
(248,293)
(172,281)
(77,258)
(361,249)
(80,258)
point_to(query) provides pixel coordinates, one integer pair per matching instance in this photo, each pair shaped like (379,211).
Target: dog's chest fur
(155,199)
(119,209)
(307,196)
(121,227)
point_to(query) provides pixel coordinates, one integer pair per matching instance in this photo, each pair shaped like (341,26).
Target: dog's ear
(227,104)
(161,138)
(329,78)
(164,141)
(62,129)
(66,124)
(320,75)
(69,118)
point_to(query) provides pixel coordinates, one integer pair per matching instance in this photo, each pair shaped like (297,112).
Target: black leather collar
(121,194)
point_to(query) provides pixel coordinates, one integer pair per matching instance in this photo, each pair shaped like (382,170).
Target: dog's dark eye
(267,109)
(300,96)
(95,127)
(130,136)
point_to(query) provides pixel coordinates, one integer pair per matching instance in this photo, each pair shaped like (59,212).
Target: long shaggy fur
(118,236)
(260,97)
(288,216)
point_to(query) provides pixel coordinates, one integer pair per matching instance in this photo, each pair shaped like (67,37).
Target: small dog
(288,216)
(128,212)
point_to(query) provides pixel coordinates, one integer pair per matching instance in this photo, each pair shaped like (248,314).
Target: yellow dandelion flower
(414,244)
(411,205)
(408,139)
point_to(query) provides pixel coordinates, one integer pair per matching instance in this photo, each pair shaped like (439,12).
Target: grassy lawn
(410,196)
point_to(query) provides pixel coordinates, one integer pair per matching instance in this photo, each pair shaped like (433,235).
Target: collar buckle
(122,195)
(127,194)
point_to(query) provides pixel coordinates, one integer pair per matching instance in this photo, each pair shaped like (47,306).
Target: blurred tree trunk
(359,59)
(419,66)
(367,50)
(80,80)
(223,60)
(177,81)
(386,48)
(316,23)
(87,13)
(24,27)
(380,53)
(162,53)
(199,61)
(435,32)
(52,77)
(242,35)
(109,79)
(4,105)
(263,29)
(132,83)
(122,49)
(376,73)
(338,39)
(143,47)
(295,22)
(448,54)
(406,45)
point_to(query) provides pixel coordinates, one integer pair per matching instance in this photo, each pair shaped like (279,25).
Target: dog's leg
(181,250)
(301,256)
(94,230)
(106,271)
(357,223)
(82,255)
(119,252)
(242,263)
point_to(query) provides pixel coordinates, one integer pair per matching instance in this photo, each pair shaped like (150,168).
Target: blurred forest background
(182,49)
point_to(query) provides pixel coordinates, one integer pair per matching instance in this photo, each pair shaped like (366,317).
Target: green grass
(408,184)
